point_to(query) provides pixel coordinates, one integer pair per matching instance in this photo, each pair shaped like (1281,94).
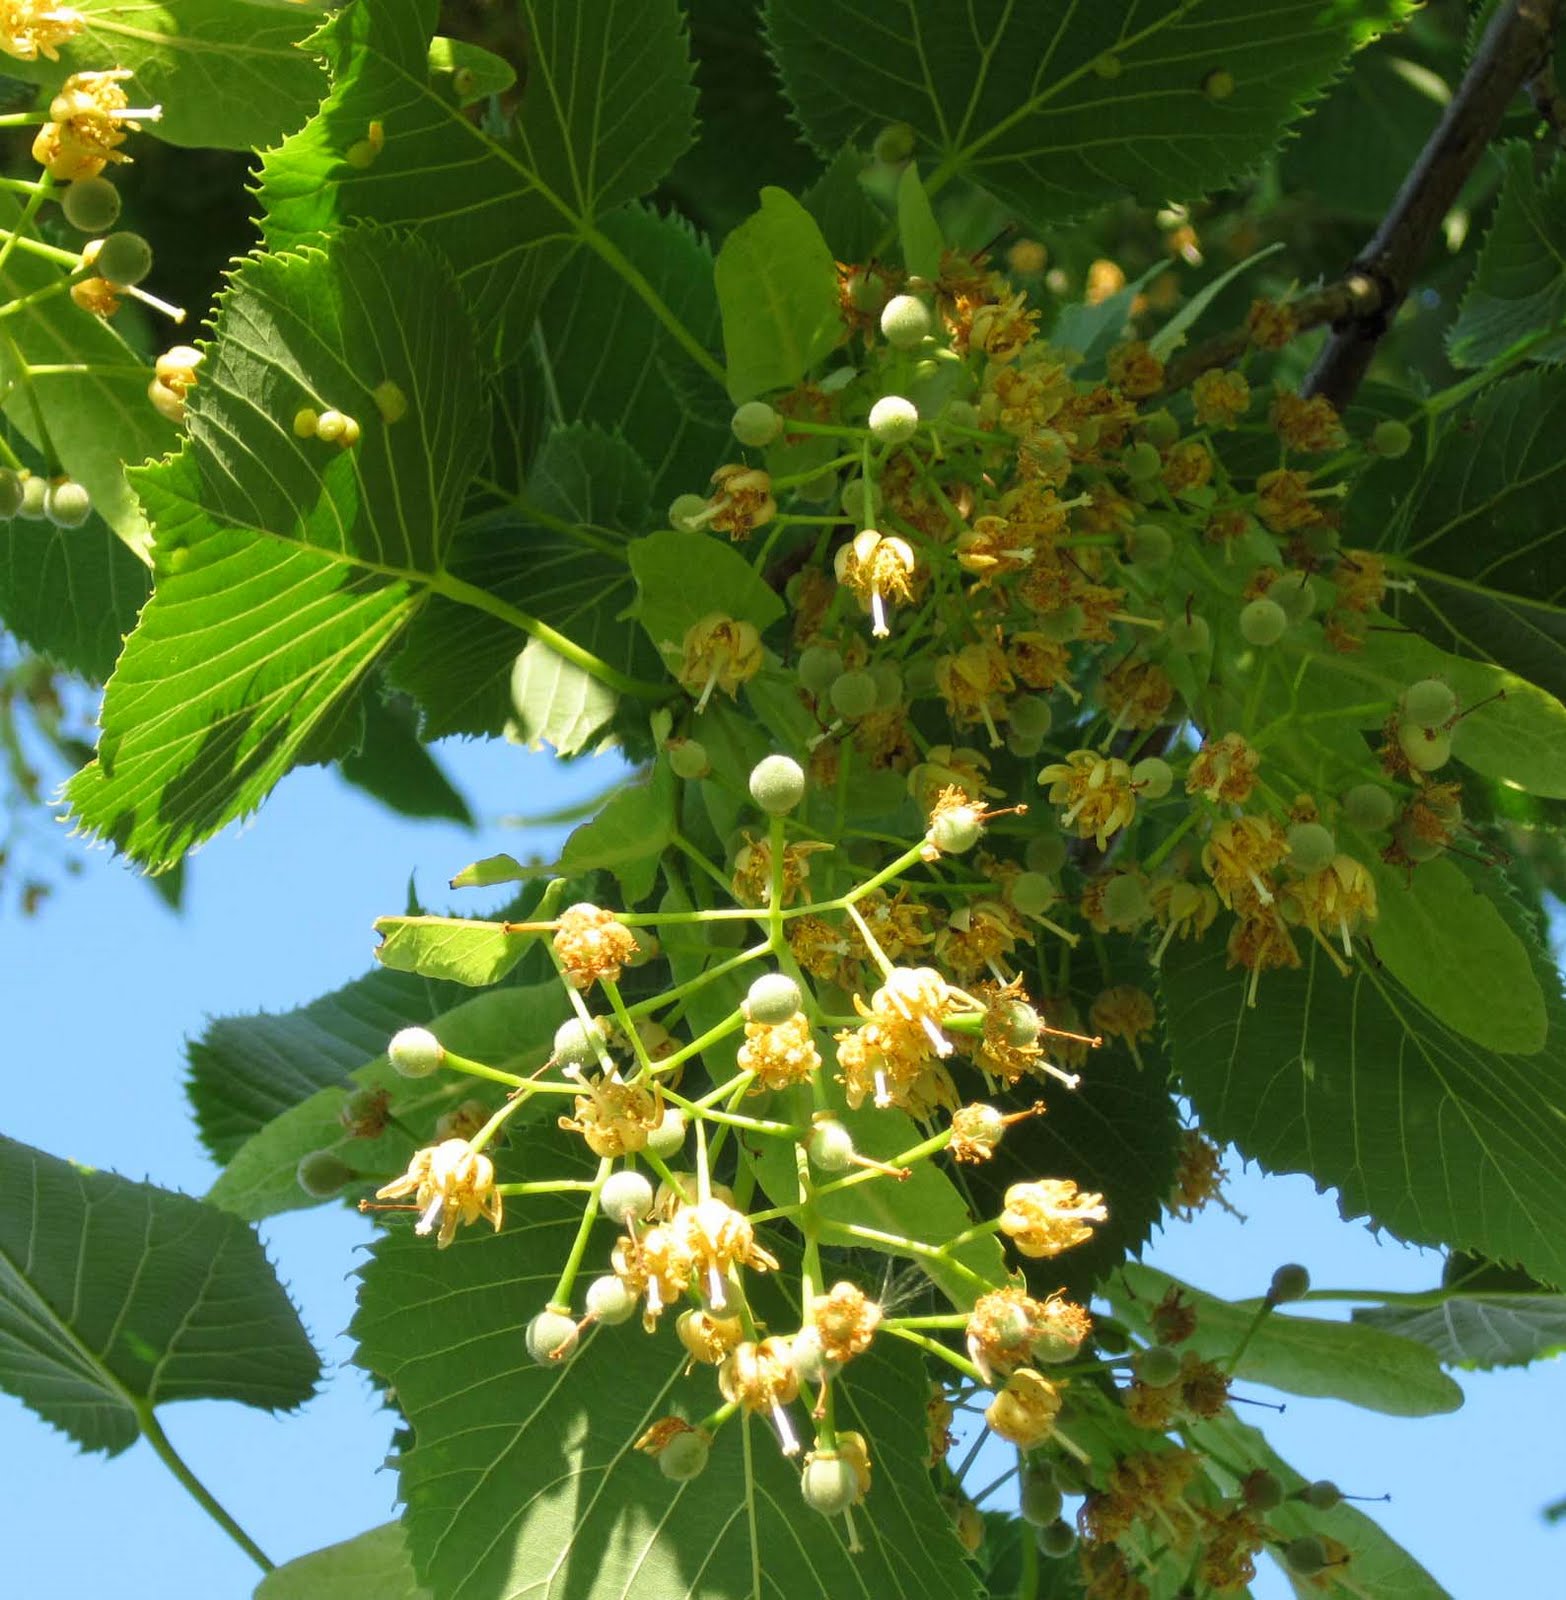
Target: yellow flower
(877,568)
(1340,897)
(1024,1411)
(33,28)
(1050,1215)
(1239,854)
(708,1338)
(781,1054)
(592,944)
(1223,769)
(1096,792)
(174,375)
(87,122)
(1220,398)
(715,1237)
(718,653)
(1187,909)
(450,1183)
(845,1320)
(1124,1012)
(761,1377)
(615,1118)
(742,500)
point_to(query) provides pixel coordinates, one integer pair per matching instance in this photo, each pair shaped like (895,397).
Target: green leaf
(482,73)
(1518,288)
(286,566)
(1055,115)
(556,703)
(1450,948)
(1090,331)
(457,660)
(605,111)
(1171,335)
(1377,1564)
(229,74)
(640,383)
(1478,1328)
(523,1480)
(490,870)
(510,1028)
(98,421)
(70,593)
(627,837)
(683,577)
(394,766)
(373,1566)
(917,230)
(1479,530)
(777,291)
(848,220)
(116,1297)
(456,949)
(1431,1135)
(1300,1355)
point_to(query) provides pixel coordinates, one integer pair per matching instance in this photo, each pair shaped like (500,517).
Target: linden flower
(656,1266)
(742,501)
(1186,909)
(752,882)
(1310,426)
(1283,501)
(1096,792)
(96,295)
(592,944)
(715,1238)
(615,1118)
(781,1054)
(1135,370)
(1239,852)
(718,653)
(1258,941)
(708,1338)
(877,568)
(1024,1411)
(915,998)
(1050,1215)
(1001,1329)
(174,375)
(1341,896)
(1220,398)
(974,683)
(845,1320)
(450,1183)
(761,1377)
(87,123)
(1223,770)
(32,28)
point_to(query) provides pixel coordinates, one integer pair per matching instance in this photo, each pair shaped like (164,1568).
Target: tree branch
(1514,51)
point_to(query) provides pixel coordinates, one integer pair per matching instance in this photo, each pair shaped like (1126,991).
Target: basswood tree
(1058,506)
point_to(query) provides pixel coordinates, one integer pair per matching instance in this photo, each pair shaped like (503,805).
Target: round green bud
(609,1301)
(688,758)
(1158,1366)
(10,494)
(1190,635)
(1020,1024)
(1040,1501)
(1153,776)
(774,997)
(1218,84)
(1141,461)
(1323,1494)
(819,667)
(1427,749)
(853,695)
(960,414)
(1429,703)
(1046,852)
(1311,846)
(1160,428)
(756,424)
(91,205)
(889,687)
(893,420)
(35,493)
(1369,806)
(1149,545)
(415,1053)
(905,321)
(1290,1282)
(777,784)
(684,1457)
(1125,901)
(331,426)
(67,504)
(577,1043)
(1030,715)
(1108,66)
(1262,1490)
(321,1174)
(1060,627)
(688,513)
(894,143)
(830,1146)
(1263,622)
(551,1338)
(1306,1555)
(852,499)
(123,258)
(1024,745)
(1057,1540)
(1032,893)
(956,830)
(829,1484)
(626,1196)
(1391,438)
(1416,849)
(1320,539)
(668,1138)
(1294,593)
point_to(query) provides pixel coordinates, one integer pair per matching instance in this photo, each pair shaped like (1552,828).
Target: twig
(1545,93)
(1512,52)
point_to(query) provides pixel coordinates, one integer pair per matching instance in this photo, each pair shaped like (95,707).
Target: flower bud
(777,784)
(609,1301)
(321,1174)
(893,420)
(625,1196)
(905,321)
(415,1052)
(551,1338)
(773,998)
(685,1456)
(756,424)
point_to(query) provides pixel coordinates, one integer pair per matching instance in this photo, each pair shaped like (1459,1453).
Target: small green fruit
(1190,636)
(1427,749)
(1429,703)
(1391,438)
(1046,852)
(577,1043)
(1060,627)
(1040,1501)
(626,1196)
(756,424)
(684,1457)
(905,321)
(1218,84)
(1057,1540)
(1323,1494)
(551,1338)
(893,420)
(829,1484)
(1290,1282)
(415,1053)
(1158,1366)
(1262,1490)
(777,784)
(1030,715)
(956,830)
(853,695)
(1020,1024)
(852,500)
(123,258)
(1153,776)
(889,688)
(668,1138)
(10,494)
(819,667)
(609,1301)
(1032,893)
(91,205)
(321,1174)
(774,997)
(1305,1556)
(830,1146)
(688,513)
(1369,806)
(1141,462)
(688,759)
(1294,593)
(35,493)
(1125,901)
(1311,846)
(1263,623)
(1161,429)
(1149,545)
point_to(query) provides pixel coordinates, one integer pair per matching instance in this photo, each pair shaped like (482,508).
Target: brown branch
(1515,47)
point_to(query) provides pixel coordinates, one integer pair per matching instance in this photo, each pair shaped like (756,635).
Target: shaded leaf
(1479,1330)
(116,1297)
(393,765)
(845,214)
(372,1566)
(917,230)
(628,837)
(556,702)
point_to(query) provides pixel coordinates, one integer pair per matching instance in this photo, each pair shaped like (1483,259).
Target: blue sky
(104,987)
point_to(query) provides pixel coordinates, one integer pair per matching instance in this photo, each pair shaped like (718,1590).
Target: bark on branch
(1514,51)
